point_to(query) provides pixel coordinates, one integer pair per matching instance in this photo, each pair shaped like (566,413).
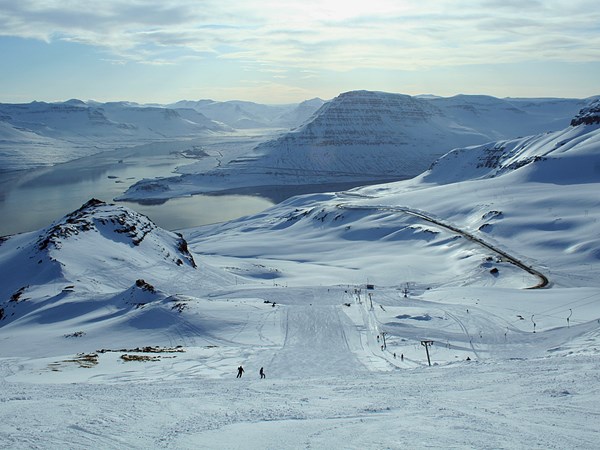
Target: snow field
(512,367)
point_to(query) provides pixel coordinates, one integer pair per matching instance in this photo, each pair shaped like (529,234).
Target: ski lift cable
(560,308)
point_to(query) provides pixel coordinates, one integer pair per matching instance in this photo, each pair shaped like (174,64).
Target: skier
(240,372)
(402,357)
(262,373)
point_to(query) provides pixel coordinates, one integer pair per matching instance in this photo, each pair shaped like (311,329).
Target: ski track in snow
(520,404)
(345,364)
(315,344)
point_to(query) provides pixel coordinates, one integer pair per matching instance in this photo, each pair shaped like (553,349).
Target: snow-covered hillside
(367,134)
(40,133)
(531,189)
(101,264)
(245,115)
(486,265)
(363,136)
(509,118)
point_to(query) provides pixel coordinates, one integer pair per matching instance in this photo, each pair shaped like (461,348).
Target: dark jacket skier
(240,372)
(262,373)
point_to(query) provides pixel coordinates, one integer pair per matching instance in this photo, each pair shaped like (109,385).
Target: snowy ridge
(589,115)
(571,149)
(509,118)
(99,248)
(363,136)
(75,129)
(247,115)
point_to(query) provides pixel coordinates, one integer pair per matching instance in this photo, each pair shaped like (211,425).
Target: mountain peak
(96,215)
(117,224)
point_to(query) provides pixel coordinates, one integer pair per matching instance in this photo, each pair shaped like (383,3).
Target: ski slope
(328,383)
(118,334)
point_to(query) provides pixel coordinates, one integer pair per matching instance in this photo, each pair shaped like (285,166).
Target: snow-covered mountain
(98,257)
(75,119)
(479,276)
(246,115)
(74,128)
(568,156)
(375,134)
(509,118)
(363,136)
(301,113)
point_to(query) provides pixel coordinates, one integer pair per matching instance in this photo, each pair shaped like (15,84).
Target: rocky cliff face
(588,116)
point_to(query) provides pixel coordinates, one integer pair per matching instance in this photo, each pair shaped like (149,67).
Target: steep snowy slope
(364,135)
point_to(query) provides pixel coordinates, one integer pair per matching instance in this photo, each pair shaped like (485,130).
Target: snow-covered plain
(117,334)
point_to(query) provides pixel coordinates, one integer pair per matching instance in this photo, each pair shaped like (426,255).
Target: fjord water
(34,199)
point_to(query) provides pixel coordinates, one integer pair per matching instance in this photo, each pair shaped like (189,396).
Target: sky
(286,51)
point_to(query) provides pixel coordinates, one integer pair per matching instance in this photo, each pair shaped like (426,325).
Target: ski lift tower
(427,344)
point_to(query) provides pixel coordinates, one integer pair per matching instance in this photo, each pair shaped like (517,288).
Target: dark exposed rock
(145,286)
(588,116)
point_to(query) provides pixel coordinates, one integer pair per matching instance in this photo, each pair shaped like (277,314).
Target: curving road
(543,280)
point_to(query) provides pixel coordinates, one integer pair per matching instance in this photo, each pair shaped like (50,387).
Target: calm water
(33,200)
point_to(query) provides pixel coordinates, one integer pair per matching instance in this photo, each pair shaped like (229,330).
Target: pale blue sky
(287,51)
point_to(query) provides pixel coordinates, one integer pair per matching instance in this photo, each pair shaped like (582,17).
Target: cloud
(317,34)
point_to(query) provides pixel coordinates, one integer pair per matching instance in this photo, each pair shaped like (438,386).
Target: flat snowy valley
(457,308)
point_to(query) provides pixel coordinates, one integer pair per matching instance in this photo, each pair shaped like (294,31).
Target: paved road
(544,282)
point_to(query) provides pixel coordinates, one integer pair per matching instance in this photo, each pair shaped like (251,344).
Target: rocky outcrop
(588,116)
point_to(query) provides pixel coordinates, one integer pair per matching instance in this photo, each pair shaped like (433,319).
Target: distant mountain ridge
(245,115)
(40,133)
(571,153)
(363,137)
(75,119)
(323,137)
(366,134)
